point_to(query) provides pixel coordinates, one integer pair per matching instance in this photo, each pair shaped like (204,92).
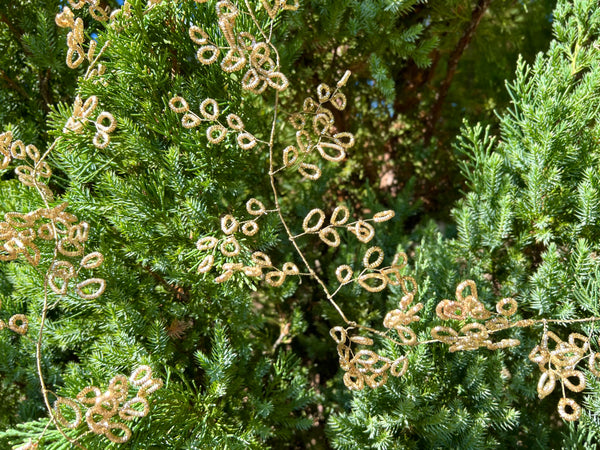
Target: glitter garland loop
(104,408)
(243,51)
(364,367)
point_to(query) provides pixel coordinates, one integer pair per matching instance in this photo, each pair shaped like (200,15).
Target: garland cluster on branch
(317,142)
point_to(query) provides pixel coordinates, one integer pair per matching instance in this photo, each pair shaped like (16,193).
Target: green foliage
(249,366)
(526,228)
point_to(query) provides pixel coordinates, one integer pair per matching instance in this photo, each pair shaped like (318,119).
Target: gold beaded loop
(317,226)
(321,124)
(17,150)
(354,380)
(400,260)
(246,40)
(118,387)
(250,228)
(446,335)
(101,139)
(502,309)
(225,276)
(91,281)
(206,243)
(401,362)
(33,153)
(150,386)
(229,224)
(250,80)
(255,207)
(339,101)
(83,397)
(209,102)
(344,273)
(216,133)
(190,120)
(92,260)
(345,139)
(406,335)
(297,121)
(14,326)
(290,268)
(367,258)
(364,231)
(361,340)
(585,341)
(198,35)
(117,426)
(252,271)
(233,61)
(330,236)
(575,409)
(230,241)
(129,412)
(141,375)
(580,386)
(112,123)
(497,323)
(378,287)
(235,122)
(246,141)
(275,278)
(338,334)
(323,92)
(206,264)
(383,216)
(337,157)
(339,210)
(179,104)
(207,54)
(290,155)
(304,141)
(261,259)
(60,418)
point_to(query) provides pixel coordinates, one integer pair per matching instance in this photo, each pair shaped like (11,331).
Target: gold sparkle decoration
(474,335)
(209,112)
(106,413)
(557,361)
(32,169)
(22,233)
(364,367)
(105,123)
(243,51)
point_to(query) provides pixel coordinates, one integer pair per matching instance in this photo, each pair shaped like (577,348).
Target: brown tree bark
(461,46)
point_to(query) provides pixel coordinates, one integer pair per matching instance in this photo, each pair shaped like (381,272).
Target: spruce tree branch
(14,85)
(16,32)
(461,46)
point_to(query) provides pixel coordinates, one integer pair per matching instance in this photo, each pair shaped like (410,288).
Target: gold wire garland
(557,361)
(104,409)
(316,137)
(365,367)
(105,122)
(209,112)
(474,335)
(243,50)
